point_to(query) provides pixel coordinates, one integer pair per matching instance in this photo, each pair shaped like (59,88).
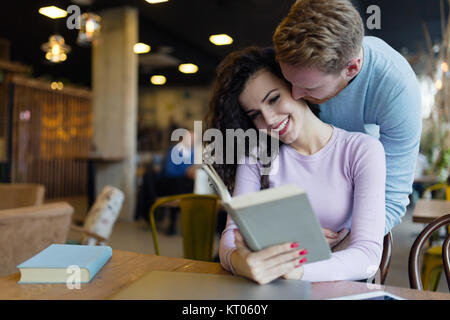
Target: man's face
(313,85)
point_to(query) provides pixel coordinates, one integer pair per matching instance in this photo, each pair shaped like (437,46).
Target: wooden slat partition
(52,132)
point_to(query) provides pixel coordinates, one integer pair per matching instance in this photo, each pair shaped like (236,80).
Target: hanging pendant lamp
(55,49)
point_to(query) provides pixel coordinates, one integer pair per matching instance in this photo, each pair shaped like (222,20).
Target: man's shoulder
(385,62)
(390,74)
(379,47)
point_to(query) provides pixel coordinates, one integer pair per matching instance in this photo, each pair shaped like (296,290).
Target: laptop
(166,285)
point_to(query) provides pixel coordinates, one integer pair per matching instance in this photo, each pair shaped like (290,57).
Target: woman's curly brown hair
(225,111)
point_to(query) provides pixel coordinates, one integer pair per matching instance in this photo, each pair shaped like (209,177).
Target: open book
(274,216)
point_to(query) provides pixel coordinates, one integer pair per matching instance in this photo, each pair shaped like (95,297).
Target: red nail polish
(303,252)
(294,245)
(303,260)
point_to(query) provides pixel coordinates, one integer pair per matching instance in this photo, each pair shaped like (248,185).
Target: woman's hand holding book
(283,260)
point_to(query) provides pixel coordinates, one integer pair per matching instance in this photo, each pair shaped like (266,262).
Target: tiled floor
(137,237)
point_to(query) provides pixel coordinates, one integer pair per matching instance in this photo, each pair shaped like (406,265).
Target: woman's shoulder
(356,142)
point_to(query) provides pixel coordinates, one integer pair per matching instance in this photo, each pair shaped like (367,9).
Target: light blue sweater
(384,101)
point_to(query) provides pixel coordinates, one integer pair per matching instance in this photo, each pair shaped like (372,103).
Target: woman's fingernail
(294,245)
(303,252)
(303,260)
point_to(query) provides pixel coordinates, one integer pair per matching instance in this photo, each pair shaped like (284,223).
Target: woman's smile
(282,127)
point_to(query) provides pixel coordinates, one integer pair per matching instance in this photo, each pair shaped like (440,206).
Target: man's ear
(352,68)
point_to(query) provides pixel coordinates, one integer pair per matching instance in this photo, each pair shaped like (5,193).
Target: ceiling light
(89,28)
(188,68)
(156,1)
(444,67)
(158,80)
(141,48)
(221,39)
(53,12)
(57,85)
(55,49)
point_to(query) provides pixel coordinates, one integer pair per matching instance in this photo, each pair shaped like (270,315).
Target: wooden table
(126,267)
(425,211)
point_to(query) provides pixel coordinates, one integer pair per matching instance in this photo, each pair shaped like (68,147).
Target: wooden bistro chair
(385,258)
(415,279)
(432,258)
(198,223)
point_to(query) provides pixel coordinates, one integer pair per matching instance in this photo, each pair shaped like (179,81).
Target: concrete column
(115,89)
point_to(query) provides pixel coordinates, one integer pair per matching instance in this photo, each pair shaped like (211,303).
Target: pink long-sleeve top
(345,183)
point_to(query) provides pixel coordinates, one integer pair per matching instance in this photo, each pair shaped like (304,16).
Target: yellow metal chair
(432,262)
(198,223)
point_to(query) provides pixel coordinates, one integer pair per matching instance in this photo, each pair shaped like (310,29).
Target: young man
(360,83)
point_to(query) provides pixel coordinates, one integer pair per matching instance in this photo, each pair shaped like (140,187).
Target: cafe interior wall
(183,105)
(160,108)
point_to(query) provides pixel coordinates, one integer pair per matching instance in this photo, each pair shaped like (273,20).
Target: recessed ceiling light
(188,68)
(158,80)
(53,12)
(141,48)
(221,39)
(156,1)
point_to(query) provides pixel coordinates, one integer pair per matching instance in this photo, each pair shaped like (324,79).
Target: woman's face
(268,102)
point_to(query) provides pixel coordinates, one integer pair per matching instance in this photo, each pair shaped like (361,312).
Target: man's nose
(298,93)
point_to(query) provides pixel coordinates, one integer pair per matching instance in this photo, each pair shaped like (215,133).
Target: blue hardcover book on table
(58,262)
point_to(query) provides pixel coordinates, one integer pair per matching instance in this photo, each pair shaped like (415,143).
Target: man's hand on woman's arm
(334,238)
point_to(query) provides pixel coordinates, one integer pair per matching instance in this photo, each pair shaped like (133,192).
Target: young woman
(343,173)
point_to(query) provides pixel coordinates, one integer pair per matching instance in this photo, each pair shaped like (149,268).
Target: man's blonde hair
(325,34)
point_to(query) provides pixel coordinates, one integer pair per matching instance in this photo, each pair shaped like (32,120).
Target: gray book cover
(279,215)
(274,216)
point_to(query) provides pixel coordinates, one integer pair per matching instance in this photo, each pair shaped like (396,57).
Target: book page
(220,187)
(267,195)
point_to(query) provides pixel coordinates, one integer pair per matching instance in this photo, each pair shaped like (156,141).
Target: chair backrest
(386,257)
(16,195)
(198,222)
(26,231)
(103,214)
(416,250)
(446,258)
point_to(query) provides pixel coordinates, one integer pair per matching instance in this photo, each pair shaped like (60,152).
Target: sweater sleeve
(400,130)
(362,258)
(247,181)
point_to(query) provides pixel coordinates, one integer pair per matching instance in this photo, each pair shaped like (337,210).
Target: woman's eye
(253,116)
(274,99)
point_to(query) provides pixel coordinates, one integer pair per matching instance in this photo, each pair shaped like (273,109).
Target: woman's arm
(362,258)
(265,265)
(247,180)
